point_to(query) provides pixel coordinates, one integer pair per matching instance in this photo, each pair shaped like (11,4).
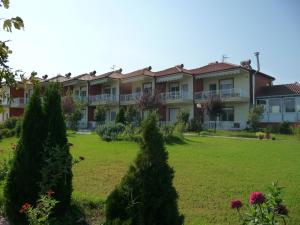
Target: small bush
(260,135)
(110,131)
(4,133)
(10,123)
(167,131)
(195,125)
(130,133)
(285,128)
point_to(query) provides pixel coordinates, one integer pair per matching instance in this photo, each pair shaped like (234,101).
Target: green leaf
(7,24)
(5,3)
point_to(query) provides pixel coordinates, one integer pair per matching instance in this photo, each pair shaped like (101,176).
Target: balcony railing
(176,95)
(223,94)
(18,102)
(130,97)
(103,98)
(80,99)
(224,125)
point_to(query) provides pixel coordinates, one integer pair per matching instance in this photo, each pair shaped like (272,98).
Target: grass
(209,172)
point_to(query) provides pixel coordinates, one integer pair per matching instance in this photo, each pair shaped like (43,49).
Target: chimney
(68,75)
(246,64)
(93,73)
(257,60)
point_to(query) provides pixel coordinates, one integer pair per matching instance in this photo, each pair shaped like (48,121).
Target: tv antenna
(224,57)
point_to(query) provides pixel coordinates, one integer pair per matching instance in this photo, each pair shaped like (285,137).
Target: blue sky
(75,36)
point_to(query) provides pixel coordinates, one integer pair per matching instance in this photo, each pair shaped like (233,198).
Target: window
(174,87)
(262,102)
(274,105)
(147,87)
(227,114)
(138,90)
(290,104)
(298,104)
(112,116)
(226,84)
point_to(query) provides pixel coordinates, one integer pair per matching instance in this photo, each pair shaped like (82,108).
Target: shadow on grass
(83,212)
(175,140)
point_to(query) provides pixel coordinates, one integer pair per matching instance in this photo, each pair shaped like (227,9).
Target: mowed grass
(209,172)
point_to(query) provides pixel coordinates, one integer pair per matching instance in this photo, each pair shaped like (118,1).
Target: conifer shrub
(146,195)
(57,160)
(23,179)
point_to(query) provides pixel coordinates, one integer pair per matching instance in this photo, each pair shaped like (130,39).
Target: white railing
(176,95)
(130,97)
(81,99)
(18,102)
(103,98)
(223,125)
(223,94)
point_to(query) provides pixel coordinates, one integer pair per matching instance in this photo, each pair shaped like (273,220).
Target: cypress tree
(57,160)
(23,180)
(146,195)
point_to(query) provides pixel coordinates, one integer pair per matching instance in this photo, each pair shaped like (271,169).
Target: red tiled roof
(220,66)
(283,89)
(142,72)
(173,70)
(112,74)
(214,67)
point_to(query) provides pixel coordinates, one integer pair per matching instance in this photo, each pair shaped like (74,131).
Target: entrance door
(173,114)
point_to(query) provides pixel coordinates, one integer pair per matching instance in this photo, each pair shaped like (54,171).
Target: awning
(169,78)
(218,74)
(99,81)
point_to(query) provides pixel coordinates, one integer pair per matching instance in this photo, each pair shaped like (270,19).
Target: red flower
(24,207)
(256,198)
(81,158)
(50,193)
(236,204)
(281,210)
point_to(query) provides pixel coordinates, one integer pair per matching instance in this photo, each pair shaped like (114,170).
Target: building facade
(178,89)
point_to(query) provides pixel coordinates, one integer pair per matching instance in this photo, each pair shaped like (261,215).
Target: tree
(149,101)
(146,195)
(7,75)
(183,117)
(255,116)
(100,114)
(57,160)
(71,110)
(120,118)
(24,177)
(214,107)
(132,114)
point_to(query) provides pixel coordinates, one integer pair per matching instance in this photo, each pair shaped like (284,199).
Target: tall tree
(24,177)
(146,195)
(57,163)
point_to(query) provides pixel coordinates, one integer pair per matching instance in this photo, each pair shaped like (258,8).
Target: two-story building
(178,89)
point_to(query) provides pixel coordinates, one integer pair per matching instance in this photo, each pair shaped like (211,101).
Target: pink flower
(236,204)
(256,198)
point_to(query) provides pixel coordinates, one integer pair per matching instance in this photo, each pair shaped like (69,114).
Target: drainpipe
(254,77)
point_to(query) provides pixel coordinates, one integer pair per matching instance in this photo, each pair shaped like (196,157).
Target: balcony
(18,102)
(81,99)
(228,95)
(176,97)
(103,99)
(130,98)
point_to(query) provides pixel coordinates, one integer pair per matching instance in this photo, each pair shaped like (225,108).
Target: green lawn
(209,172)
